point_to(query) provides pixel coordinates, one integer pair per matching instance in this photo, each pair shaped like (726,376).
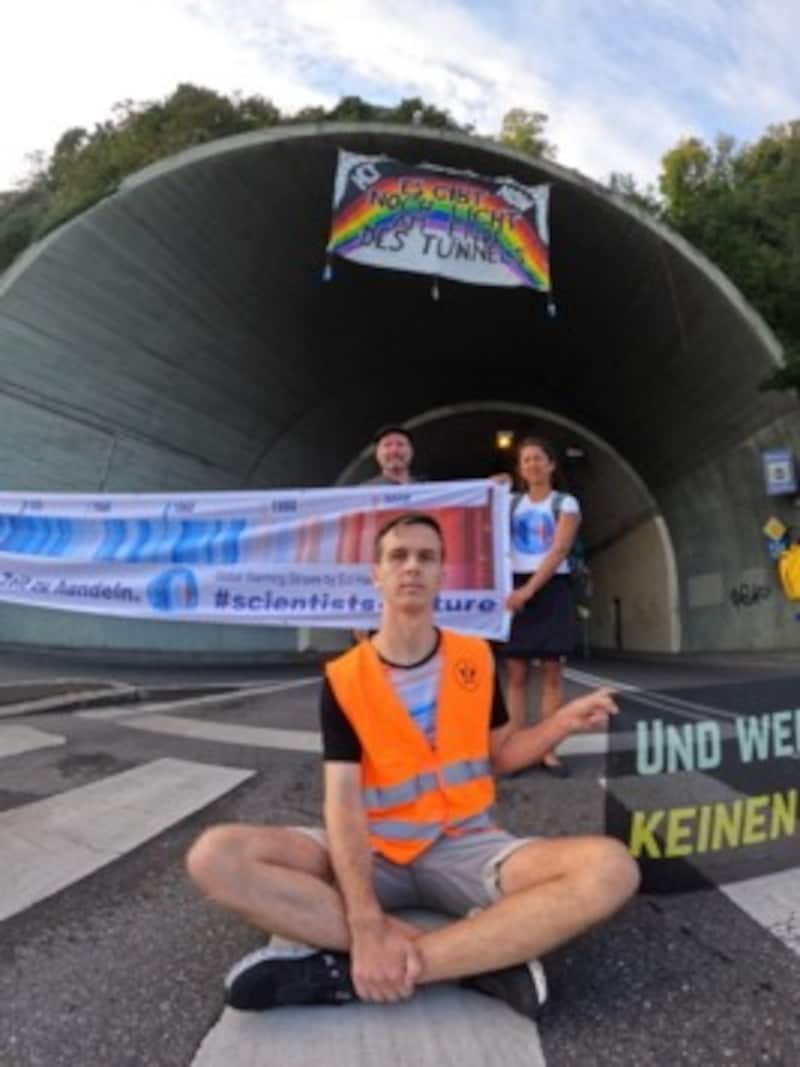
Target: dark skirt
(547,626)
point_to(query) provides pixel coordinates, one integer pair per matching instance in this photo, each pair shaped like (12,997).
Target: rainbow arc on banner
(401,217)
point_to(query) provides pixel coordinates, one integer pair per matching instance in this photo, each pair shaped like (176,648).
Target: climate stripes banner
(449,223)
(282,558)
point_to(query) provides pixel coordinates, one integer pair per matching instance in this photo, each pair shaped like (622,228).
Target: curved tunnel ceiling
(179,335)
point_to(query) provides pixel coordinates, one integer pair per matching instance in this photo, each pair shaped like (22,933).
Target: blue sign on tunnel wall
(780,472)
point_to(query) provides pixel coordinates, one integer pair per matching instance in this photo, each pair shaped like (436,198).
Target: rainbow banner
(448,223)
(281,557)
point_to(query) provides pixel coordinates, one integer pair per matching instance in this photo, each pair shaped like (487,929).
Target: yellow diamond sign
(774,529)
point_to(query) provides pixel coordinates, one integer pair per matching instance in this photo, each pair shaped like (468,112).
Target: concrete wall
(39,627)
(730,590)
(636,571)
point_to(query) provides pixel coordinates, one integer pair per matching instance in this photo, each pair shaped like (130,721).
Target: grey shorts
(455,875)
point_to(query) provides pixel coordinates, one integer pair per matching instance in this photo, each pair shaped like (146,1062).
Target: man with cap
(394,453)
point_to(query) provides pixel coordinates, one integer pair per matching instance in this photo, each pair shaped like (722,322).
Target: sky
(622,81)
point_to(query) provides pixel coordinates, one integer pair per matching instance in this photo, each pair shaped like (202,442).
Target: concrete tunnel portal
(179,336)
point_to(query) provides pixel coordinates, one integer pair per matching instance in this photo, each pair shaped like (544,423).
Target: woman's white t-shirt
(533,527)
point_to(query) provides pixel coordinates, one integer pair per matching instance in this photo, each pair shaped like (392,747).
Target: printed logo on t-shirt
(532,532)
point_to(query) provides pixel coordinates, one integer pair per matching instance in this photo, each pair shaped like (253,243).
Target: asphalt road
(118,963)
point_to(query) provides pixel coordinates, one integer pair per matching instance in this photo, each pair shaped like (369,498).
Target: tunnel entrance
(180,336)
(635,596)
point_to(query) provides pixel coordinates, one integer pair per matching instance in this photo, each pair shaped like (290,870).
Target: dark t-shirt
(339,740)
(381,479)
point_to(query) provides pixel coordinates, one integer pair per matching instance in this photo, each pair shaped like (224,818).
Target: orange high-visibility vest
(414,793)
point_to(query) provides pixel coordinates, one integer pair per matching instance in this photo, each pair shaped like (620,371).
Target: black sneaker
(523,988)
(272,978)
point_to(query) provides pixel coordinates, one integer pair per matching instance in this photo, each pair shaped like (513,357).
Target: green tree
(410,111)
(626,186)
(354,109)
(524,131)
(20,215)
(307,114)
(414,111)
(741,206)
(86,166)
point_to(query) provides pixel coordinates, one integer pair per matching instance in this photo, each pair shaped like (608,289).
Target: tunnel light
(504,439)
(574,452)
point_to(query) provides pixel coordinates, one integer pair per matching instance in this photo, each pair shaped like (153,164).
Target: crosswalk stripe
(443,1024)
(689,709)
(592,744)
(210,700)
(49,844)
(15,740)
(448,1025)
(66,700)
(773,900)
(228,733)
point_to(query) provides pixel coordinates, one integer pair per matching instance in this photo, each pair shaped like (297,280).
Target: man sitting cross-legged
(414,727)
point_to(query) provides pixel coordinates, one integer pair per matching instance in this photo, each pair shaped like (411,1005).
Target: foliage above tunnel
(87,165)
(739,204)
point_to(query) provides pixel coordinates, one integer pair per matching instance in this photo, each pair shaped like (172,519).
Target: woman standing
(544,524)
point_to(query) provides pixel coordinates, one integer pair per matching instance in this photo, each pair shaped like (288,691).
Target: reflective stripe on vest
(404,792)
(465,771)
(399,830)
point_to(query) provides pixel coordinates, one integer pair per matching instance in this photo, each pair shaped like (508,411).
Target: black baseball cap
(386,430)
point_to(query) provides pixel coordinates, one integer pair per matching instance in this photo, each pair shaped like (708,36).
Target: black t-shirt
(340,742)
(381,479)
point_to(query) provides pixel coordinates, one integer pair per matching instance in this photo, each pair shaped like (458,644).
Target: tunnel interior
(180,336)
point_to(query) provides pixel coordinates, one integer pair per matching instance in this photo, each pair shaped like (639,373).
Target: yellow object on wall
(789,571)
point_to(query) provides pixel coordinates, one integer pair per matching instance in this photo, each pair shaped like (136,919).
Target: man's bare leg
(274,878)
(553,890)
(281,881)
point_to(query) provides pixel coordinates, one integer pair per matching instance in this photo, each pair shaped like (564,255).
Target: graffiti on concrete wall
(749,594)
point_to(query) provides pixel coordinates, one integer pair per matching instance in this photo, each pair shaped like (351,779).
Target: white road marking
(64,700)
(440,1024)
(773,900)
(233,696)
(49,844)
(594,744)
(17,739)
(664,701)
(229,733)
